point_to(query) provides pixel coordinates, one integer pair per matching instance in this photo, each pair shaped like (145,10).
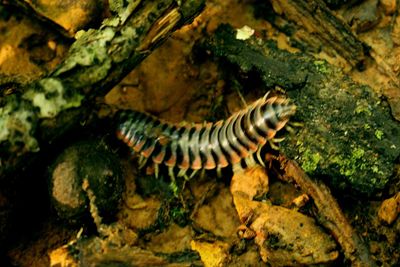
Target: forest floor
(206,223)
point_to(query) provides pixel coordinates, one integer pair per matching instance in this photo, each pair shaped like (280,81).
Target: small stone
(301,200)
(212,254)
(390,209)
(94,163)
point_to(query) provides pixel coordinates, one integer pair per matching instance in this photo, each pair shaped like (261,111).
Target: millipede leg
(273,145)
(193,174)
(289,128)
(291,125)
(156,170)
(278,140)
(241,97)
(173,185)
(295,124)
(259,157)
(142,161)
(182,173)
(219,173)
(237,168)
(202,173)
(250,161)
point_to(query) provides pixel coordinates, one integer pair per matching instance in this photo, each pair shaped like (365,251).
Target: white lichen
(51,100)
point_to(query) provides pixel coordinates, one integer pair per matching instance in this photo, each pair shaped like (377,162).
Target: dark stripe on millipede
(230,143)
(246,128)
(238,123)
(270,122)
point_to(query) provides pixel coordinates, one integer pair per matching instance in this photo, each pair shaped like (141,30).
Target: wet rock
(90,163)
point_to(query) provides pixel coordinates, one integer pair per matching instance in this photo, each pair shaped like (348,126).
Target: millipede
(206,145)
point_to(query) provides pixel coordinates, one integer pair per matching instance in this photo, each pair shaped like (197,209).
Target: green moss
(363,106)
(348,166)
(322,66)
(310,160)
(358,153)
(378,134)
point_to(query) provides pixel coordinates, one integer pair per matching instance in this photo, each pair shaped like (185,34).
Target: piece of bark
(46,109)
(330,214)
(321,29)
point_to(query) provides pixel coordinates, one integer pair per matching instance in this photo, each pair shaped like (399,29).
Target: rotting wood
(330,214)
(47,108)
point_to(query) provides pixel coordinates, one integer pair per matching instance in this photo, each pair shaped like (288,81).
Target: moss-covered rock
(347,128)
(348,136)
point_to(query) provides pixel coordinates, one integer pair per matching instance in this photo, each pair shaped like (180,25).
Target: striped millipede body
(206,145)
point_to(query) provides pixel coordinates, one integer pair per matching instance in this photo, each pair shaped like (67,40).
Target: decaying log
(46,109)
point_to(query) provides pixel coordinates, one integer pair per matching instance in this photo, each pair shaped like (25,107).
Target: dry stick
(330,214)
(49,107)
